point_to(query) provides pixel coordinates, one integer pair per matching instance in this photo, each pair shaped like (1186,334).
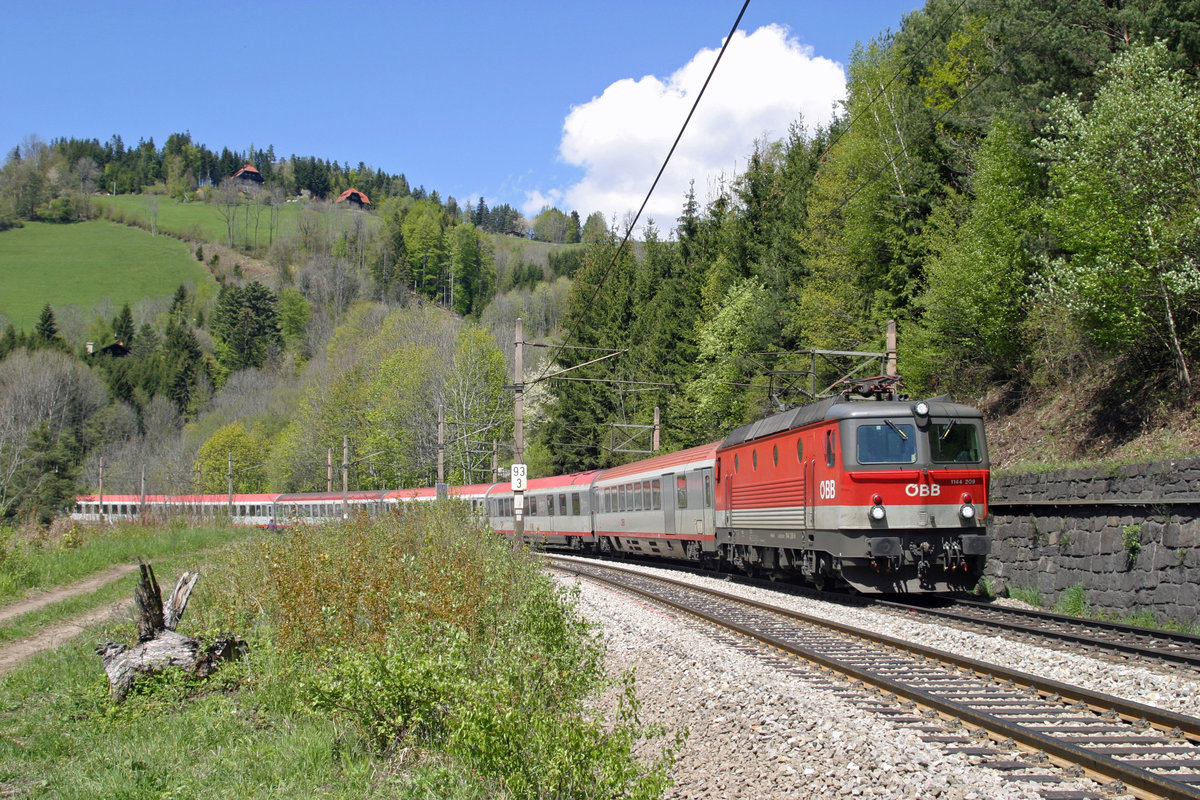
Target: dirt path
(13,653)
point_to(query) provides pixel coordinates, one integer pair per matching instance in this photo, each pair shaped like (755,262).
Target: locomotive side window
(775,455)
(799,449)
(735,462)
(954,442)
(887,443)
(754,459)
(708,492)
(829,448)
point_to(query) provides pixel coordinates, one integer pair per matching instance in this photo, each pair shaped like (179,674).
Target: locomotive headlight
(967,511)
(876,512)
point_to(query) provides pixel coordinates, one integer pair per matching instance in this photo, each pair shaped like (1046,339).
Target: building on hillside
(354,197)
(115,350)
(248,174)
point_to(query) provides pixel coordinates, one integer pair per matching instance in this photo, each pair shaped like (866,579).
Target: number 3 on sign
(827,490)
(519,474)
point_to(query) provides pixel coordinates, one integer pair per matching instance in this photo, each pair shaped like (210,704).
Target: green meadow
(205,222)
(83,262)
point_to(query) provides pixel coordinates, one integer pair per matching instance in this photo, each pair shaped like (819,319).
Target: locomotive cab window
(886,443)
(954,442)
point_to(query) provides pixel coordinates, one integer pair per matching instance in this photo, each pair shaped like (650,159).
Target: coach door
(679,488)
(668,504)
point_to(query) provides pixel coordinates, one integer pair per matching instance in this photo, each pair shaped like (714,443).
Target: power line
(629,228)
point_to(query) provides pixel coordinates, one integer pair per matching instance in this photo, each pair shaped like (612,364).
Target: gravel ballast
(774,727)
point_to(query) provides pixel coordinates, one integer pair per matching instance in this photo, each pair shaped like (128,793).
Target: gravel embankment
(773,728)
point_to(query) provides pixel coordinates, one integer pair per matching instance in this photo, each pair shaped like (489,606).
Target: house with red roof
(354,197)
(248,174)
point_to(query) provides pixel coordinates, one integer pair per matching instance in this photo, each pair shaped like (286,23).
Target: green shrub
(429,636)
(1131,537)
(1073,602)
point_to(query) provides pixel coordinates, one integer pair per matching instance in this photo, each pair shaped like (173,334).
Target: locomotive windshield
(954,442)
(887,443)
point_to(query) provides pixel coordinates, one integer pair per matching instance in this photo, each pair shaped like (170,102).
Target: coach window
(656,493)
(575,509)
(681,491)
(637,497)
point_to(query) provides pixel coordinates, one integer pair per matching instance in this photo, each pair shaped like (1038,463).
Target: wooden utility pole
(229,476)
(891,348)
(519,432)
(345,477)
(655,437)
(495,461)
(441,444)
(329,470)
(101,507)
(142,498)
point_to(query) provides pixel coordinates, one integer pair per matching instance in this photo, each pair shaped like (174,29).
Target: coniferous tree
(123,326)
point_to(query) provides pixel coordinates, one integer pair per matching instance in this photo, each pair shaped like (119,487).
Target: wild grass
(1026,594)
(1073,602)
(399,657)
(35,558)
(84,262)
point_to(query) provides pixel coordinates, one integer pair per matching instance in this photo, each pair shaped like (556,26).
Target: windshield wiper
(946,432)
(894,427)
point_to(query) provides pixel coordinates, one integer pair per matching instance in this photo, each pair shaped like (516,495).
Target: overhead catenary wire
(633,223)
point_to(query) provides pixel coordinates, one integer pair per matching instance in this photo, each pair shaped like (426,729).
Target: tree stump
(159,646)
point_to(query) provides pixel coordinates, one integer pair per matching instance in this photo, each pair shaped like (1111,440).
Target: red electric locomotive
(885,496)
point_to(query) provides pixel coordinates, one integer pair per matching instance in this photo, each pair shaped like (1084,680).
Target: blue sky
(569,104)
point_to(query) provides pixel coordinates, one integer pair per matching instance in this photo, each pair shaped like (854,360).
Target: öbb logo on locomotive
(843,492)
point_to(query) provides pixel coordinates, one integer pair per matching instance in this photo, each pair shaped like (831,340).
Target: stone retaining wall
(1129,559)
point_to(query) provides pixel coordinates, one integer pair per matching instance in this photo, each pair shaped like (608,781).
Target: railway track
(966,706)
(1095,637)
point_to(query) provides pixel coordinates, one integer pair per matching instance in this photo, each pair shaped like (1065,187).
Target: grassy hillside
(82,263)
(204,222)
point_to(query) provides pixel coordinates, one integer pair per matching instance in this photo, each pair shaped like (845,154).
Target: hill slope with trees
(1011,181)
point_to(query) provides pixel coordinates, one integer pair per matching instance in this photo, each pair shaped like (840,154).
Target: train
(865,490)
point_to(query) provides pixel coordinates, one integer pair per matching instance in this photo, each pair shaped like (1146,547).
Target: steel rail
(1143,650)
(1103,765)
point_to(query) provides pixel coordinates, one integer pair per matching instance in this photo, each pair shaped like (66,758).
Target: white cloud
(766,81)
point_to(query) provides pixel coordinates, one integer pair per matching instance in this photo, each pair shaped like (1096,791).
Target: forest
(1013,182)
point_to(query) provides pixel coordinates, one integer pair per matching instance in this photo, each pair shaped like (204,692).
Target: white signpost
(519,475)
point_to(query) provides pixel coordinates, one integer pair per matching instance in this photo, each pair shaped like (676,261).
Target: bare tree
(229,197)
